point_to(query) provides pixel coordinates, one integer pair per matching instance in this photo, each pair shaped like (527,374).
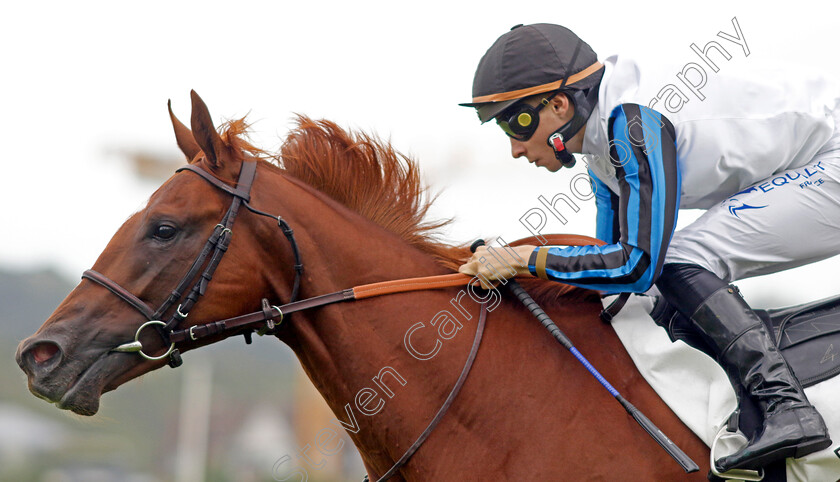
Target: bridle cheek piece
(195,281)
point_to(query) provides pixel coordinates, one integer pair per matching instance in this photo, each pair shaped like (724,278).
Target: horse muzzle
(41,359)
(72,381)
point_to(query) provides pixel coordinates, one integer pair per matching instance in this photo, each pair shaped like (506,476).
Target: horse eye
(165,232)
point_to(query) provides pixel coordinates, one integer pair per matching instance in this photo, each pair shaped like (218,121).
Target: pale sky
(83,81)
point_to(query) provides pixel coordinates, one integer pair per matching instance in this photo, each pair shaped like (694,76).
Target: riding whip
(673,450)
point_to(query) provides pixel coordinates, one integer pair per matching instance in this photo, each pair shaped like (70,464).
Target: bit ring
(137,339)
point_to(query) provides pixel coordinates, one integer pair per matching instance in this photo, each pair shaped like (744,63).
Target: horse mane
(369,176)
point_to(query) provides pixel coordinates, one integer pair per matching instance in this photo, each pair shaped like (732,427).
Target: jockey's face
(536,149)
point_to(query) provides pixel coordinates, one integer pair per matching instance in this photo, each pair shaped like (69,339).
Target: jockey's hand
(498,264)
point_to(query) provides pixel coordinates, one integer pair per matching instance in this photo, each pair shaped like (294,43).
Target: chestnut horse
(527,411)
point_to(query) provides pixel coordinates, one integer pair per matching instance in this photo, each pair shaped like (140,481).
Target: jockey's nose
(517,148)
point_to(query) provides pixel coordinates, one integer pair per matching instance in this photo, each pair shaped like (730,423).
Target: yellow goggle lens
(524,119)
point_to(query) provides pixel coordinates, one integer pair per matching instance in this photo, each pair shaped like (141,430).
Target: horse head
(71,361)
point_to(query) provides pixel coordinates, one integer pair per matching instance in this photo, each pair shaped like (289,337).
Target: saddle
(809,337)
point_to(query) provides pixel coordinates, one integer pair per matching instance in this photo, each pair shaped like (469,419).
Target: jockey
(762,158)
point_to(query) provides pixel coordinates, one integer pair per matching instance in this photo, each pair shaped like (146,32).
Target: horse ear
(183,136)
(205,133)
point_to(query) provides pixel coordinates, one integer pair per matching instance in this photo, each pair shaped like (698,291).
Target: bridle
(194,283)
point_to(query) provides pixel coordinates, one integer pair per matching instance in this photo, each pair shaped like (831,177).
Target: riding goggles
(520,121)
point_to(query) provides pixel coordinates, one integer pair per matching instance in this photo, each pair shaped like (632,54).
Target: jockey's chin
(550,164)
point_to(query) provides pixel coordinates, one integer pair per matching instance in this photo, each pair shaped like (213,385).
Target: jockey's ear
(561,105)
(183,136)
(209,141)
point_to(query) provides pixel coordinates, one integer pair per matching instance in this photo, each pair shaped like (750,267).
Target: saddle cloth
(699,393)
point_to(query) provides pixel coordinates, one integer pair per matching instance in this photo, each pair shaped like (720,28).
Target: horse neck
(343,347)
(339,248)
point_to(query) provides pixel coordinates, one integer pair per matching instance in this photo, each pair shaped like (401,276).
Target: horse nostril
(44,352)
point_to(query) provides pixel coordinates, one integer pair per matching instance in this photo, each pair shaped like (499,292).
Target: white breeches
(787,220)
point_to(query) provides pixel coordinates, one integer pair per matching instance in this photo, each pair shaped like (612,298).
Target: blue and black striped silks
(637,222)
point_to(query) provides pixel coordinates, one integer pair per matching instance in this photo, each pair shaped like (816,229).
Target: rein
(272,315)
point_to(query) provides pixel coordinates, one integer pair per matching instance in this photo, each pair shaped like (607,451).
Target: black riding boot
(792,427)
(741,344)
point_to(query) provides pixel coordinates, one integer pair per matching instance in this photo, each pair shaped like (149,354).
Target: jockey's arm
(636,223)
